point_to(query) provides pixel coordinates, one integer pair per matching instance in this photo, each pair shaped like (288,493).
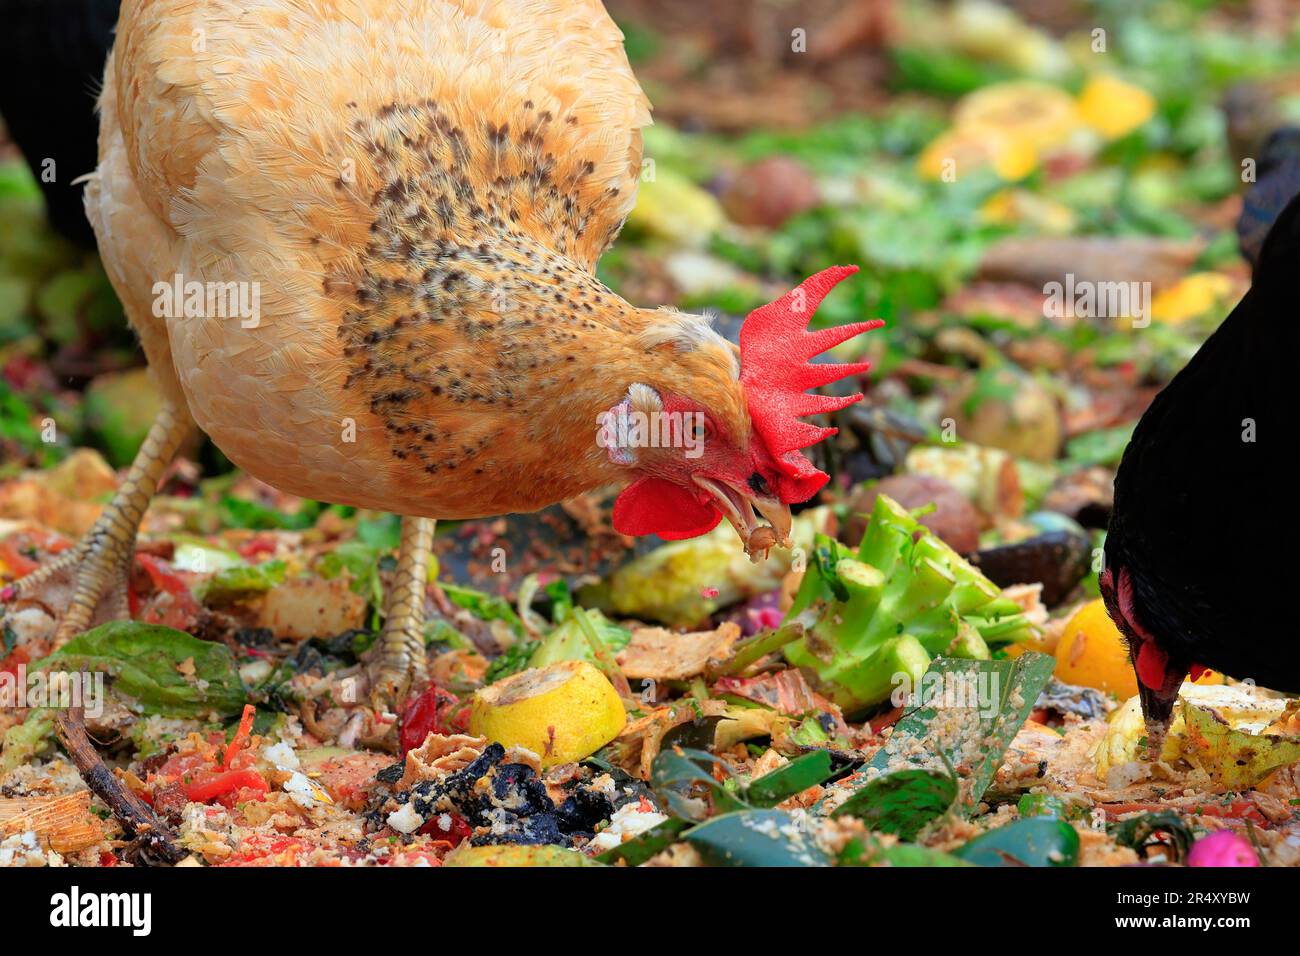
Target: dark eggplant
(1057,559)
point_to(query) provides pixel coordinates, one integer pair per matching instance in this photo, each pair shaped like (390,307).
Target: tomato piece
(162,576)
(179,766)
(14,550)
(459,830)
(460,717)
(233,783)
(887,719)
(15,563)
(172,605)
(1237,810)
(18,656)
(257,545)
(269,850)
(425,715)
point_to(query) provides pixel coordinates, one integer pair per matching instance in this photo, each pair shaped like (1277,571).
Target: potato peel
(1234,759)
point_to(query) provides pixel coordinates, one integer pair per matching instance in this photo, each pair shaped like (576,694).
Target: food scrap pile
(927,678)
(888,704)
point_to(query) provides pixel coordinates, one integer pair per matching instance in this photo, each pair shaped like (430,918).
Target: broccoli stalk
(905,598)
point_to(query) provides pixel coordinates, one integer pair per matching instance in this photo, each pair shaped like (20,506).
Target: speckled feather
(422,189)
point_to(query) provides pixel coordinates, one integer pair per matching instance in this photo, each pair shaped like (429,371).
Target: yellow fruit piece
(1092,653)
(1011,207)
(958,151)
(1038,114)
(562,712)
(1193,296)
(505,855)
(1114,108)
(1123,742)
(1238,708)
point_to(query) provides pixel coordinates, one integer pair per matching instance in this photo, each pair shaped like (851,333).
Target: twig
(156,839)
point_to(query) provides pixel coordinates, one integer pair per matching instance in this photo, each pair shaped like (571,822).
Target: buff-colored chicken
(383,219)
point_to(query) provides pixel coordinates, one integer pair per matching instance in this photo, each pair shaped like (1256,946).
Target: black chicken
(1203,487)
(52,56)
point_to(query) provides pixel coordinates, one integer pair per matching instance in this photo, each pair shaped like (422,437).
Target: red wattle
(1151,662)
(656,506)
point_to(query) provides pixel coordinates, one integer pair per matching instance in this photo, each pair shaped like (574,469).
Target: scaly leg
(101,561)
(399,660)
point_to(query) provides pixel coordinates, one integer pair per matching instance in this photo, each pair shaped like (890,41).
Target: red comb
(775,349)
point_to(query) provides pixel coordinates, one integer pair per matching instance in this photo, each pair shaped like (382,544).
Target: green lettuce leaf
(142,660)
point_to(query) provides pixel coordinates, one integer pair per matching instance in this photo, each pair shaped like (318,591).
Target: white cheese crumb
(282,755)
(405,819)
(303,792)
(627,822)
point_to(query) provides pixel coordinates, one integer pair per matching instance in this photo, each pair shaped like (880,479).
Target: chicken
(1203,486)
(357,239)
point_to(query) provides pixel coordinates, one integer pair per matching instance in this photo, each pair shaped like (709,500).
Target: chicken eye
(702,430)
(758,484)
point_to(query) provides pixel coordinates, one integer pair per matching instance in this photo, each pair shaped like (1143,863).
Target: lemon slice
(1037,113)
(562,712)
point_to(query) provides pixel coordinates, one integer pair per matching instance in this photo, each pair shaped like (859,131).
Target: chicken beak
(1158,709)
(777,513)
(737,506)
(1158,704)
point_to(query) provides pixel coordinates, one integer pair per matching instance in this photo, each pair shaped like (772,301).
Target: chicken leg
(102,559)
(399,660)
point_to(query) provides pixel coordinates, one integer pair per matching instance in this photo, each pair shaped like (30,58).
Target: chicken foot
(101,561)
(399,653)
